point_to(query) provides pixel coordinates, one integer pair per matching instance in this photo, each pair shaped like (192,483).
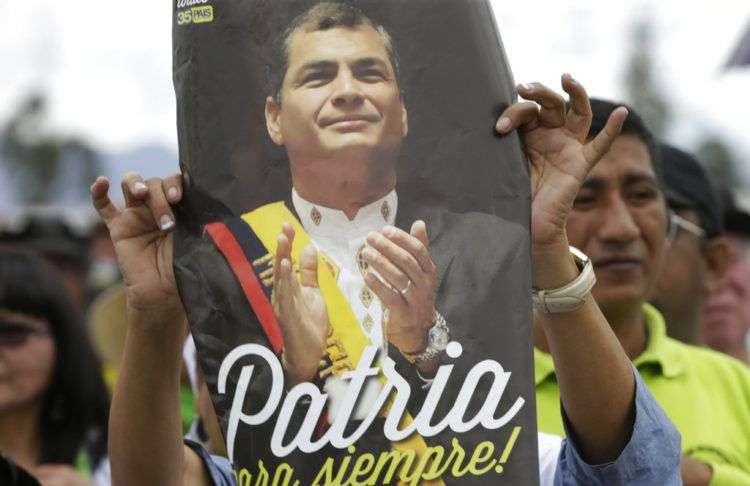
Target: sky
(107,65)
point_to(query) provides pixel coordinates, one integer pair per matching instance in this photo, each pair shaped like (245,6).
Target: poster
(351,121)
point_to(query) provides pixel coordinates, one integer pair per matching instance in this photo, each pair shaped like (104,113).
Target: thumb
(308,267)
(419,231)
(595,149)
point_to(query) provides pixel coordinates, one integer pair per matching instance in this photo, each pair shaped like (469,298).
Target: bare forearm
(145,431)
(593,372)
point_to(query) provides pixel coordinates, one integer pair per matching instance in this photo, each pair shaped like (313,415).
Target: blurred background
(87,85)
(87,89)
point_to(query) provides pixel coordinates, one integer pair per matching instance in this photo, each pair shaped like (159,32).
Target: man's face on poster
(340,99)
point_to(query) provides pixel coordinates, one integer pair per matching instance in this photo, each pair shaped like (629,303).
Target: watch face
(438,338)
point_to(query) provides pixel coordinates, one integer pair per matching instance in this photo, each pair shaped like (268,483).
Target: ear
(273,121)
(404,119)
(717,256)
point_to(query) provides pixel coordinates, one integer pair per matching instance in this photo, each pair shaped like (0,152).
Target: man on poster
(555,143)
(336,107)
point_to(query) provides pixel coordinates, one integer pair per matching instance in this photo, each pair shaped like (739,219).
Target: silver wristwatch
(571,296)
(438,337)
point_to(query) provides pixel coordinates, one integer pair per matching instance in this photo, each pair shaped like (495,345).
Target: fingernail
(372,236)
(503,124)
(526,86)
(388,230)
(172,193)
(139,187)
(166,222)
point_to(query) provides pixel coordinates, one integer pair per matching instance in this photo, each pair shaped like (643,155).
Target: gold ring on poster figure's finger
(407,289)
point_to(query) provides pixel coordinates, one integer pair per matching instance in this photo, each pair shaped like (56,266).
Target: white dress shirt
(342,240)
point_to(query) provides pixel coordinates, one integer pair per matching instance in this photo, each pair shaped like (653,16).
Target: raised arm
(145,431)
(596,380)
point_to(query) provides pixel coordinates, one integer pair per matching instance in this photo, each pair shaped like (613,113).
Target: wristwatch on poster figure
(438,337)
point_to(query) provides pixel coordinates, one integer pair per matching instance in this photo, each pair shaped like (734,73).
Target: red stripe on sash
(243,270)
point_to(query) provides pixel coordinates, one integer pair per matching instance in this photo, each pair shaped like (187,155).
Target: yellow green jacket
(705,393)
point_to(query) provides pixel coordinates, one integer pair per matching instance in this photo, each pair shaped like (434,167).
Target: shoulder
(480,224)
(716,366)
(477,235)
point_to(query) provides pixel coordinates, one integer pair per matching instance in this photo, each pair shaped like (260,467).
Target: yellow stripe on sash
(267,222)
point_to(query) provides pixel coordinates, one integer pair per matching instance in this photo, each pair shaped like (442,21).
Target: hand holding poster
(355,262)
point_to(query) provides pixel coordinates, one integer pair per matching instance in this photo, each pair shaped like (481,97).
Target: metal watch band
(571,296)
(431,352)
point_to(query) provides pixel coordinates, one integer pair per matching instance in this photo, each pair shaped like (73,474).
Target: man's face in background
(340,101)
(619,221)
(726,316)
(683,283)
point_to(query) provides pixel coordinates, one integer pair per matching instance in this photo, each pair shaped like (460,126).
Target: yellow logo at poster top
(202,14)
(196,15)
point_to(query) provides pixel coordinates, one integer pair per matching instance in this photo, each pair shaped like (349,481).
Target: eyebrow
(369,62)
(315,66)
(638,178)
(593,184)
(596,183)
(326,65)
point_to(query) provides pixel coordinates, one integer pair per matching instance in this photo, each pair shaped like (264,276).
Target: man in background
(695,257)
(726,316)
(619,219)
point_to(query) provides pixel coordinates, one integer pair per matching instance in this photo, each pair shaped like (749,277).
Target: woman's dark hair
(76,404)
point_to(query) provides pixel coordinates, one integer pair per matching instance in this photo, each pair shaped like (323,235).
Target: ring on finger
(406,289)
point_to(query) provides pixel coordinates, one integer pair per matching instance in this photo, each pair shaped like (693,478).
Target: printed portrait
(354,258)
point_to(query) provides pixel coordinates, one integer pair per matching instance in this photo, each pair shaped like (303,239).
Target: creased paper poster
(354,247)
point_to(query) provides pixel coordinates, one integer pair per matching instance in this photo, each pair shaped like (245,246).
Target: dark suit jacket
(483,293)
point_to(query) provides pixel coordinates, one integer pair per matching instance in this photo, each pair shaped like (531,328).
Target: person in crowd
(620,220)
(695,256)
(726,316)
(615,419)
(53,402)
(60,243)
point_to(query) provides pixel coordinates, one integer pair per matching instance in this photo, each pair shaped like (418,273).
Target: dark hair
(322,16)
(76,404)
(634,125)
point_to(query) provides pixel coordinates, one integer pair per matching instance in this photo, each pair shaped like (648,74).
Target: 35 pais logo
(195,12)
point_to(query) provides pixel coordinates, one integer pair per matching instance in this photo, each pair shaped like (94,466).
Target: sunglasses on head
(16,334)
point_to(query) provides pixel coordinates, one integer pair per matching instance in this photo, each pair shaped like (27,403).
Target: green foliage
(641,82)
(40,161)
